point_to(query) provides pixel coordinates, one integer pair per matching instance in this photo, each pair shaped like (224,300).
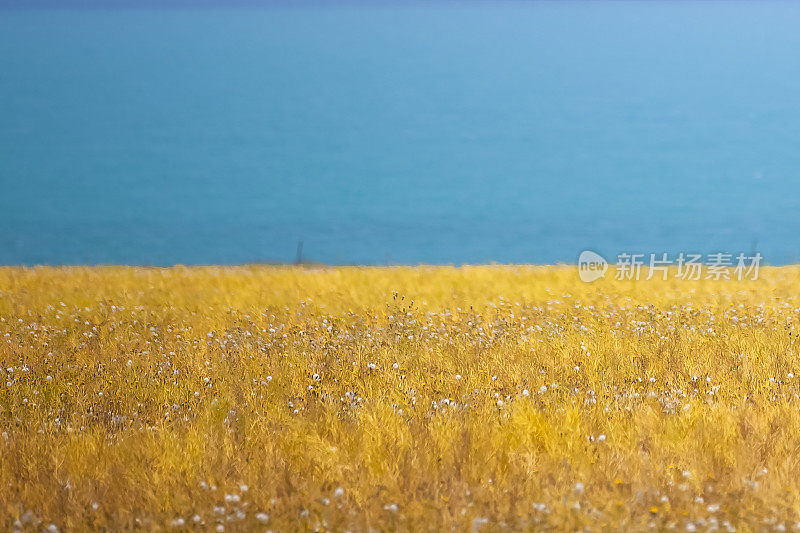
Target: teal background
(404,133)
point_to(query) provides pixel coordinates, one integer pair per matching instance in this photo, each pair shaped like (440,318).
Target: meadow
(484,398)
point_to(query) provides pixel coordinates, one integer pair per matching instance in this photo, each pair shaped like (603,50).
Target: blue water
(416,133)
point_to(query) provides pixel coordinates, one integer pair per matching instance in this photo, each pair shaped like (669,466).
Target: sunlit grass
(396,398)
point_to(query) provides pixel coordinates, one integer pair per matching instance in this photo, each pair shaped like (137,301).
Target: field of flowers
(428,398)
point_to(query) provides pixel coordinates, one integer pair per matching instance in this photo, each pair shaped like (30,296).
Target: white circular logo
(591,266)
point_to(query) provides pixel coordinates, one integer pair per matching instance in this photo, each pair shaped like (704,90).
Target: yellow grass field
(412,399)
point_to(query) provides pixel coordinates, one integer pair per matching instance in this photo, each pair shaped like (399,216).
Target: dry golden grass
(475,398)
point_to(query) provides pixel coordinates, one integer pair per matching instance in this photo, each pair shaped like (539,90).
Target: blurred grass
(403,398)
